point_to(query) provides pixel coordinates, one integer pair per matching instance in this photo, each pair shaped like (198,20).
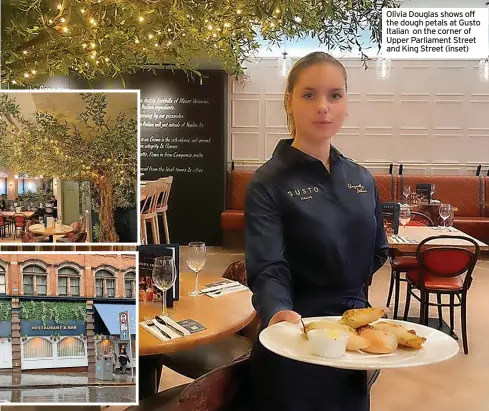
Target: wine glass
(445,212)
(404,216)
(196,260)
(164,275)
(406,192)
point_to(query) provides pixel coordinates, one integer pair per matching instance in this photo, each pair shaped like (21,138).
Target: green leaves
(179,28)
(5,310)
(57,311)
(83,150)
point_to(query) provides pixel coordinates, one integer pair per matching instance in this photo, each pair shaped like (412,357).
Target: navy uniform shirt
(311,235)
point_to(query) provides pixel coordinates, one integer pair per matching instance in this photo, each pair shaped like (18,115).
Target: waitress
(314,238)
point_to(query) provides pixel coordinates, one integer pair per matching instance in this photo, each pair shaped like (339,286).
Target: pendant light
(384,67)
(284,64)
(484,70)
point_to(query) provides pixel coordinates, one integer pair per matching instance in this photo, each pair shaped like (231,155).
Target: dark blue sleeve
(381,244)
(267,271)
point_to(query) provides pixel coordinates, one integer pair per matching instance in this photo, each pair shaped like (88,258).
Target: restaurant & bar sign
(38,328)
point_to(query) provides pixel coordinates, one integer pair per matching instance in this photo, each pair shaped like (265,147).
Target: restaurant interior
(420,128)
(49,183)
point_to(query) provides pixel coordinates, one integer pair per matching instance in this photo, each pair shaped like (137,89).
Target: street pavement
(108,394)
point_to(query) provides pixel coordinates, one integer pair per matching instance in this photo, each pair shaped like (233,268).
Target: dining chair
(20,221)
(3,225)
(148,212)
(164,185)
(224,388)
(443,271)
(400,264)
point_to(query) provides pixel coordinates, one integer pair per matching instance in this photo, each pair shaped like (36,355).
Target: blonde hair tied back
(301,64)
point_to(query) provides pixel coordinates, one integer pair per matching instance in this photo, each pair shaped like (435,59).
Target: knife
(162,321)
(161,331)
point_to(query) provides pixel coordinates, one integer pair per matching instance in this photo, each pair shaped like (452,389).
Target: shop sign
(33,328)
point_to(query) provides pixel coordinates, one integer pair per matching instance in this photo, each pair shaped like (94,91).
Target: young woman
(314,238)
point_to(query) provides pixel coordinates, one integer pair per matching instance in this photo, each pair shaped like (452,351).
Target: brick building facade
(102,284)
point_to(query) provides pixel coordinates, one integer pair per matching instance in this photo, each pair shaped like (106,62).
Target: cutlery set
(163,326)
(400,239)
(223,289)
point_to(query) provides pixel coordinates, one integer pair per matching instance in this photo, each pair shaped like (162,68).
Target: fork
(149,322)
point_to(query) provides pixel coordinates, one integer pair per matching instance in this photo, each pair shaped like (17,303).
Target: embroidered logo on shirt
(359,188)
(303,193)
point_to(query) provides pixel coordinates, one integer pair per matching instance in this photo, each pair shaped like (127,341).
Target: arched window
(35,279)
(38,347)
(68,279)
(104,284)
(130,284)
(3,280)
(71,347)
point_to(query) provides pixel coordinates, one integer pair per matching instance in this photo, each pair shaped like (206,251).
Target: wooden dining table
(418,234)
(221,316)
(58,229)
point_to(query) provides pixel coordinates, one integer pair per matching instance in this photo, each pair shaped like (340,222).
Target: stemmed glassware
(445,212)
(404,216)
(164,275)
(196,258)
(406,192)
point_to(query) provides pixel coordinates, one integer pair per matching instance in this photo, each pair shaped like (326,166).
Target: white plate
(287,340)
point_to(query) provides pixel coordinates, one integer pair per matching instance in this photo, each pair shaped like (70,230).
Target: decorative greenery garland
(52,311)
(5,310)
(108,38)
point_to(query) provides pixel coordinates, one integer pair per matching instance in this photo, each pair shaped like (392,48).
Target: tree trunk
(106,212)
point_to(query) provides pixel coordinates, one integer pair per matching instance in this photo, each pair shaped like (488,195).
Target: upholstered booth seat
(477,227)
(233,220)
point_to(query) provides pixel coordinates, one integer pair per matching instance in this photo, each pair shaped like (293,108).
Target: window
(35,280)
(3,276)
(75,286)
(130,285)
(71,347)
(42,288)
(104,284)
(63,286)
(38,348)
(68,279)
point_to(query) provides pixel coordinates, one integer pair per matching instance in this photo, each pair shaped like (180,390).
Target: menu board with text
(183,121)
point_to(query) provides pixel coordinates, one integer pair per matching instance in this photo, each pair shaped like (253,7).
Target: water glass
(404,216)
(445,212)
(196,258)
(164,275)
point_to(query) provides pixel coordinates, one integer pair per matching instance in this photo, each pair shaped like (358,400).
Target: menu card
(390,213)
(423,192)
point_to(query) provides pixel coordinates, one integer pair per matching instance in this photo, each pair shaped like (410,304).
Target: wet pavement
(10,380)
(112,394)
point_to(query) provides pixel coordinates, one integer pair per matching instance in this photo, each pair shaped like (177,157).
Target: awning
(110,316)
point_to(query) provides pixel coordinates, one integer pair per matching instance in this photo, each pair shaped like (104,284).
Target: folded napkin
(170,333)
(226,290)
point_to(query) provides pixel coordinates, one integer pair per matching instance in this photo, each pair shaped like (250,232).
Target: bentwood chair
(401,263)
(443,271)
